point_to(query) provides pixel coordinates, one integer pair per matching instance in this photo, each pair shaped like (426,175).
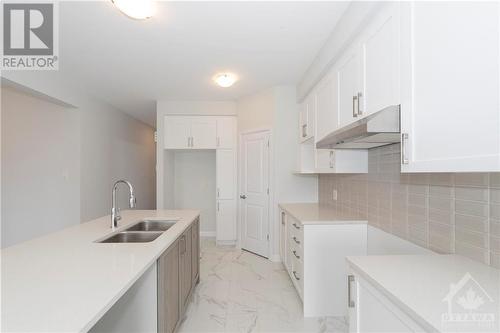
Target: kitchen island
(66,281)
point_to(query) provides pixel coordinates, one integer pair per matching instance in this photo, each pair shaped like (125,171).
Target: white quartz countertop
(314,213)
(65,282)
(419,284)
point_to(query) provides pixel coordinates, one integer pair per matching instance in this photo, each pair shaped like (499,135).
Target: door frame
(272,236)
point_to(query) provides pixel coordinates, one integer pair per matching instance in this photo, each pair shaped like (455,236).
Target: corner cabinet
(178,271)
(371,311)
(450,67)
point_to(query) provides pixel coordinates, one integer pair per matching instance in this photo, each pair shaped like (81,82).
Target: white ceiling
(174,55)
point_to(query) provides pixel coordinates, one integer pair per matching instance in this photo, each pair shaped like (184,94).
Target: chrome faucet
(115,212)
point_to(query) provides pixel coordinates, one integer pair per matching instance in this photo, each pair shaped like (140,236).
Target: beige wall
(446,212)
(256,111)
(58,163)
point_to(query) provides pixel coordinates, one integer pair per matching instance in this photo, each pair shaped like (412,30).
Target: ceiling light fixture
(225,80)
(136,9)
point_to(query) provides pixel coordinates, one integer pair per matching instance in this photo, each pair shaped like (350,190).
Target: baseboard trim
(207,234)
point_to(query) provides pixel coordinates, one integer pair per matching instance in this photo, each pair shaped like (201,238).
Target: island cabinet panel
(185,269)
(178,273)
(168,290)
(195,246)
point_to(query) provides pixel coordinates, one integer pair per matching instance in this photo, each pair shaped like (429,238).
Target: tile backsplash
(445,212)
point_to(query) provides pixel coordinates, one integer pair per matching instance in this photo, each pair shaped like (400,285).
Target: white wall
(194,186)
(60,162)
(203,108)
(40,167)
(276,109)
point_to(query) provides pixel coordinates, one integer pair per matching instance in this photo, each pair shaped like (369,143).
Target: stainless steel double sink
(141,232)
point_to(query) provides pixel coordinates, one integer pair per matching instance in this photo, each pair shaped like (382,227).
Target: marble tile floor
(242,292)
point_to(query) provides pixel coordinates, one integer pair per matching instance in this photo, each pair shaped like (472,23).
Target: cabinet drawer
(295,249)
(295,229)
(297,275)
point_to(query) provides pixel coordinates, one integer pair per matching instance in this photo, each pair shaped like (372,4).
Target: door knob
(243,196)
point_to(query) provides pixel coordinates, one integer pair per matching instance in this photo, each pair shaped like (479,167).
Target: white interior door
(254,193)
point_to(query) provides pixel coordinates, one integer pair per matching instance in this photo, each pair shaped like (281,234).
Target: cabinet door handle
(218,192)
(192,141)
(183,244)
(189,141)
(360,111)
(243,196)
(304,130)
(295,275)
(331,159)
(354,101)
(296,226)
(295,240)
(404,139)
(295,254)
(283,218)
(350,302)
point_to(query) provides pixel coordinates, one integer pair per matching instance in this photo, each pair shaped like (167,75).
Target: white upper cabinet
(307,118)
(203,133)
(349,85)
(226,132)
(450,87)
(177,132)
(327,115)
(380,52)
(200,132)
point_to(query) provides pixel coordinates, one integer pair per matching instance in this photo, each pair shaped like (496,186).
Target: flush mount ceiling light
(136,9)
(225,80)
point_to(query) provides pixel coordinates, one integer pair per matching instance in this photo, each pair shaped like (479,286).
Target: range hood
(378,129)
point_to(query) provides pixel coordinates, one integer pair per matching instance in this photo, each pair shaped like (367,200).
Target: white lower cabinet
(371,311)
(226,222)
(314,256)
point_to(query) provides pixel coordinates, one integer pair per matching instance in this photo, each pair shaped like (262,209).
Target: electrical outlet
(334,195)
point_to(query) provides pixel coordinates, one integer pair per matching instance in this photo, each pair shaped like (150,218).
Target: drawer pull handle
(295,254)
(296,226)
(295,275)
(296,240)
